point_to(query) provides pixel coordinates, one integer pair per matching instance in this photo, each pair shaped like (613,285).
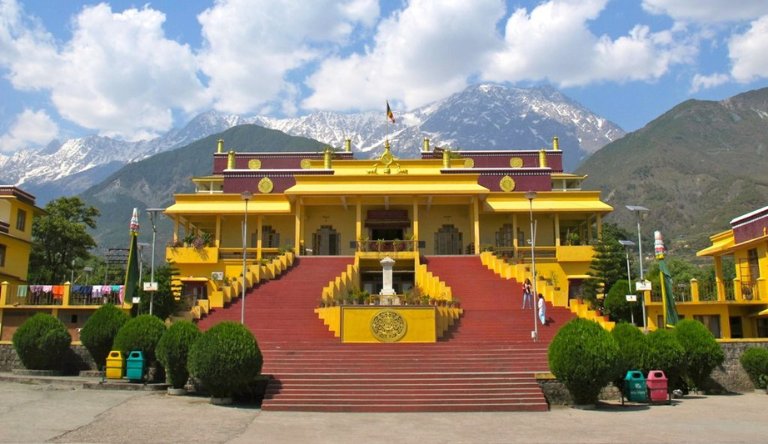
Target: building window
(21,220)
(2,255)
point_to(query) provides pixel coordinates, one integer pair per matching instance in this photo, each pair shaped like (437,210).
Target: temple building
(445,203)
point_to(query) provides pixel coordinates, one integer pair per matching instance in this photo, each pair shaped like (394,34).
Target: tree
(60,237)
(682,272)
(616,305)
(163,303)
(608,266)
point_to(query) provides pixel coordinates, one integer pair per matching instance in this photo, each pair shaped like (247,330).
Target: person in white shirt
(542,310)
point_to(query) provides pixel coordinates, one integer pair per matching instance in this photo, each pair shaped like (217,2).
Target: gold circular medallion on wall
(507,183)
(516,162)
(469,163)
(254,164)
(266,185)
(306,164)
(388,326)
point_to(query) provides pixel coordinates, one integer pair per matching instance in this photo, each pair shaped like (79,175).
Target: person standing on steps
(527,294)
(542,310)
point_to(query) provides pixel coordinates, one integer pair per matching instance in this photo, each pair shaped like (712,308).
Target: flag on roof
(390,115)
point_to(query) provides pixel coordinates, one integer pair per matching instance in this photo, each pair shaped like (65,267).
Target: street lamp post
(638,210)
(141,246)
(627,245)
(530,195)
(153,220)
(246,195)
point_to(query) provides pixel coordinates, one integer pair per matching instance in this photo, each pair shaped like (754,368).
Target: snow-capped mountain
(485,116)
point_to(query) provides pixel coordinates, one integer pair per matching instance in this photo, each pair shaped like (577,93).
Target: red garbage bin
(657,386)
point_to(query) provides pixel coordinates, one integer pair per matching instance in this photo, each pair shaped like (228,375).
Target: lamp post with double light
(530,195)
(627,245)
(246,195)
(639,210)
(153,212)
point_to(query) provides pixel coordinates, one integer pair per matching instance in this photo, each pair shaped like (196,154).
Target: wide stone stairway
(486,362)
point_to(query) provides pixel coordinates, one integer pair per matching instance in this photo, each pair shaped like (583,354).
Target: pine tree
(607,267)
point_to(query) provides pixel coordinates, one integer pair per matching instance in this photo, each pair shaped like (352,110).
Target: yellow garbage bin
(115,365)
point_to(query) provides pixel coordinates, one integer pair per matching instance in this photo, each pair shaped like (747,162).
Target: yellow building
(737,308)
(18,300)
(17,209)
(331,204)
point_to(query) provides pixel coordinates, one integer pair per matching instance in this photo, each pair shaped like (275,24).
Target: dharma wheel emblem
(388,326)
(306,164)
(469,163)
(516,162)
(254,164)
(507,183)
(266,185)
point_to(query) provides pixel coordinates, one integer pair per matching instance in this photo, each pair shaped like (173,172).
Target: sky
(133,70)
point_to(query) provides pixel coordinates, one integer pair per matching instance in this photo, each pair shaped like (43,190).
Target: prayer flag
(132,270)
(390,116)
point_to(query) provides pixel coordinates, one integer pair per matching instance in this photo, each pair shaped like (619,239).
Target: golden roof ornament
(387,164)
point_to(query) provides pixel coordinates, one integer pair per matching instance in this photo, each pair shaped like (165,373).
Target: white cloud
(704,82)
(420,54)
(118,74)
(553,43)
(748,52)
(708,11)
(251,46)
(29,129)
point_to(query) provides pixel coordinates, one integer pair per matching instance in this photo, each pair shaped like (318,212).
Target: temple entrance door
(326,241)
(448,240)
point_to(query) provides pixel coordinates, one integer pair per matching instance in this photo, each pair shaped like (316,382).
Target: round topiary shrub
(755,363)
(41,342)
(173,349)
(665,353)
(633,350)
(99,331)
(140,333)
(615,303)
(701,353)
(225,359)
(583,357)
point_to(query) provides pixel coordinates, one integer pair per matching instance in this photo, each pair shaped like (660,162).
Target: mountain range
(485,116)
(695,167)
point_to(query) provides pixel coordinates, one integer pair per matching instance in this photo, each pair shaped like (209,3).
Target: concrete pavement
(45,412)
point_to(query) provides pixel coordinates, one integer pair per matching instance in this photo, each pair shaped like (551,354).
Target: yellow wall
(438,215)
(356,322)
(490,224)
(343,221)
(285,225)
(16,259)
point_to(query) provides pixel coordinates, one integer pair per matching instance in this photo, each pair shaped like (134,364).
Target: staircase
(486,363)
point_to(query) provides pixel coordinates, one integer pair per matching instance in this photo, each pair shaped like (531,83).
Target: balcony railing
(19,295)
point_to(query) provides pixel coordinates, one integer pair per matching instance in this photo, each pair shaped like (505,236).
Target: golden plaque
(516,162)
(254,164)
(306,164)
(507,183)
(266,185)
(388,326)
(469,163)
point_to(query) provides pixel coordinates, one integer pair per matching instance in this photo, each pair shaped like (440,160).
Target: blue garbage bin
(134,366)
(635,388)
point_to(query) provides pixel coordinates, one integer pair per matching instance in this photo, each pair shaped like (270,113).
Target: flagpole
(663,282)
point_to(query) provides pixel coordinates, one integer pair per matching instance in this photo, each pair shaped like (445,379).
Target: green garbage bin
(634,386)
(134,366)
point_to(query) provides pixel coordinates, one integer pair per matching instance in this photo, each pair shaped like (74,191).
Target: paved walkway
(45,412)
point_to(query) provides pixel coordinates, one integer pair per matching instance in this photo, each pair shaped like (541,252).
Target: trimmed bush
(633,350)
(755,363)
(615,303)
(583,356)
(41,342)
(225,359)
(701,352)
(99,331)
(172,351)
(665,353)
(140,333)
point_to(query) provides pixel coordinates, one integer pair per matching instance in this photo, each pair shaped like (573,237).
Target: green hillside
(695,167)
(152,182)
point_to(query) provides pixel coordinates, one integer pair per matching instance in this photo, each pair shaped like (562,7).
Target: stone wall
(78,359)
